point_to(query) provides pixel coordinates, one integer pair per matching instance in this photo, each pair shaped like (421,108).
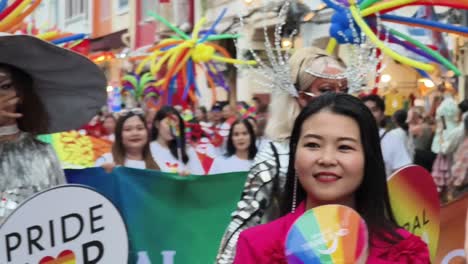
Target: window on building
(75,8)
(122,5)
(148,5)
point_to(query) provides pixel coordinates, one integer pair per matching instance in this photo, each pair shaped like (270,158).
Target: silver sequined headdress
(283,73)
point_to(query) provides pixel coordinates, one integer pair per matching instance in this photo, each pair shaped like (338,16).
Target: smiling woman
(335,159)
(329,149)
(131,146)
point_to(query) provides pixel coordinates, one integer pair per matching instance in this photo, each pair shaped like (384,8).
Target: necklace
(9,130)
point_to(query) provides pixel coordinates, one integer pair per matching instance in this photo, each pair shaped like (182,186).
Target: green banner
(170,219)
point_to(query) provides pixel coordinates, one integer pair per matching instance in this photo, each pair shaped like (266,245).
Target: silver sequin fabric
(259,202)
(27,166)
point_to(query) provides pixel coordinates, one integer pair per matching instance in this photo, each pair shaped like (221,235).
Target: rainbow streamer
(76,150)
(415,204)
(327,234)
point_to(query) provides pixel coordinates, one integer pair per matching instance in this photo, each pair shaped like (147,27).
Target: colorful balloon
(343,31)
(389,52)
(68,39)
(179,55)
(423,23)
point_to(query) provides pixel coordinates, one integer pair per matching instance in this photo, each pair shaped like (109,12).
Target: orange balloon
(174,70)
(163,45)
(27,12)
(222,50)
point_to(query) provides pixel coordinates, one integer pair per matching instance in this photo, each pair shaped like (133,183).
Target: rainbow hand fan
(327,234)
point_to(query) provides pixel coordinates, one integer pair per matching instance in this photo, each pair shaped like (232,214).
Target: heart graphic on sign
(65,257)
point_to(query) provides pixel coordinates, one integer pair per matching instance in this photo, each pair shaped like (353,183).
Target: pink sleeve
(245,253)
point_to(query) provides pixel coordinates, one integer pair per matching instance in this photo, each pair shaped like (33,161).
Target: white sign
(62,225)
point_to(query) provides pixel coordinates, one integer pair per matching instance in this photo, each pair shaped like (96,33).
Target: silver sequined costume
(260,198)
(27,166)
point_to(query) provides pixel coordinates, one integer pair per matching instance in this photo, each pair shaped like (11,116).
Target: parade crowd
(312,145)
(229,136)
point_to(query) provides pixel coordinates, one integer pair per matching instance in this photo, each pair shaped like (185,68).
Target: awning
(108,42)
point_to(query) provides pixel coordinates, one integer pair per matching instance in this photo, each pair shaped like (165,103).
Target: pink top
(265,244)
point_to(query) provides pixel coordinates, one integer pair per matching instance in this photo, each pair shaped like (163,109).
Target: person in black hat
(43,89)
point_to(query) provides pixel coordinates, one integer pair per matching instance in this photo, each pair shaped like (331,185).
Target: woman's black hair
(251,118)
(400,117)
(371,197)
(164,112)
(231,149)
(379,103)
(463,106)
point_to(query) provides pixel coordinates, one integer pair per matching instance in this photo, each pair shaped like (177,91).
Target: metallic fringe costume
(260,198)
(27,166)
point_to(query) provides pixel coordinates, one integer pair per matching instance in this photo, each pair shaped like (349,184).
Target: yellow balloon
(331,45)
(142,64)
(203,53)
(178,69)
(156,67)
(197,28)
(48,35)
(15,13)
(233,61)
(389,52)
(180,49)
(385,5)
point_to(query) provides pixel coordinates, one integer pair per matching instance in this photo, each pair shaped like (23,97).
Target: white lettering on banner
(143,258)
(167,257)
(453,254)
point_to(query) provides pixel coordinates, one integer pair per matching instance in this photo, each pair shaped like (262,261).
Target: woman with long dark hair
(131,145)
(240,149)
(335,159)
(312,72)
(169,148)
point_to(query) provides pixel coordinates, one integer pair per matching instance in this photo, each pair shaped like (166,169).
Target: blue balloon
(68,39)
(213,27)
(341,30)
(3,4)
(190,79)
(331,4)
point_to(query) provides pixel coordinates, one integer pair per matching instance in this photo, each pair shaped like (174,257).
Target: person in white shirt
(169,148)
(131,145)
(394,150)
(240,149)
